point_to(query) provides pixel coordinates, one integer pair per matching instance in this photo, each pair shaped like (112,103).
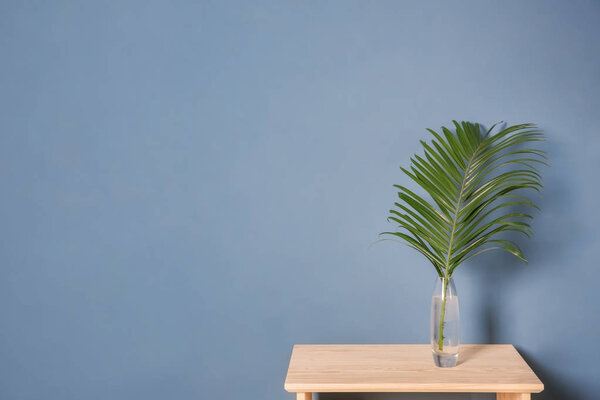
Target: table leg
(304,396)
(513,396)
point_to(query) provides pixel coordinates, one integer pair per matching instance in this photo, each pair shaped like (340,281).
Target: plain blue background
(190,188)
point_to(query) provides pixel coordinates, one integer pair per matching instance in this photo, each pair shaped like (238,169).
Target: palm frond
(471,177)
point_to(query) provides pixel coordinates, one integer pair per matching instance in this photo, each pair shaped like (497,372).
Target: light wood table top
(408,368)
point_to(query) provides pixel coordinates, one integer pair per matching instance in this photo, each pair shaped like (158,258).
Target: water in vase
(447,355)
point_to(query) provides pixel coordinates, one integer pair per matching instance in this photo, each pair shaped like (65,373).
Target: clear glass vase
(444,323)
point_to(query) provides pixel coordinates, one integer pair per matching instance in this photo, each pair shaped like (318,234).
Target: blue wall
(188,189)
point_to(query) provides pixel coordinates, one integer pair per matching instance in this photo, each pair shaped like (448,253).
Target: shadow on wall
(554,387)
(502,269)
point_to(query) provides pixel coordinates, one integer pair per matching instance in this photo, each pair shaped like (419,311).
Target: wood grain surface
(408,368)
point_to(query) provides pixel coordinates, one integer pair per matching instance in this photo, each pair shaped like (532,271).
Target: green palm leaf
(472,177)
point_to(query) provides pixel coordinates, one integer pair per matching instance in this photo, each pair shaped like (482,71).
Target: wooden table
(493,368)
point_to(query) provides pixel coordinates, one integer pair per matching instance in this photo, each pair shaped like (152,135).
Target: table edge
(414,388)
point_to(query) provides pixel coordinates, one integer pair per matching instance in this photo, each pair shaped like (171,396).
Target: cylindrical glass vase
(444,323)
